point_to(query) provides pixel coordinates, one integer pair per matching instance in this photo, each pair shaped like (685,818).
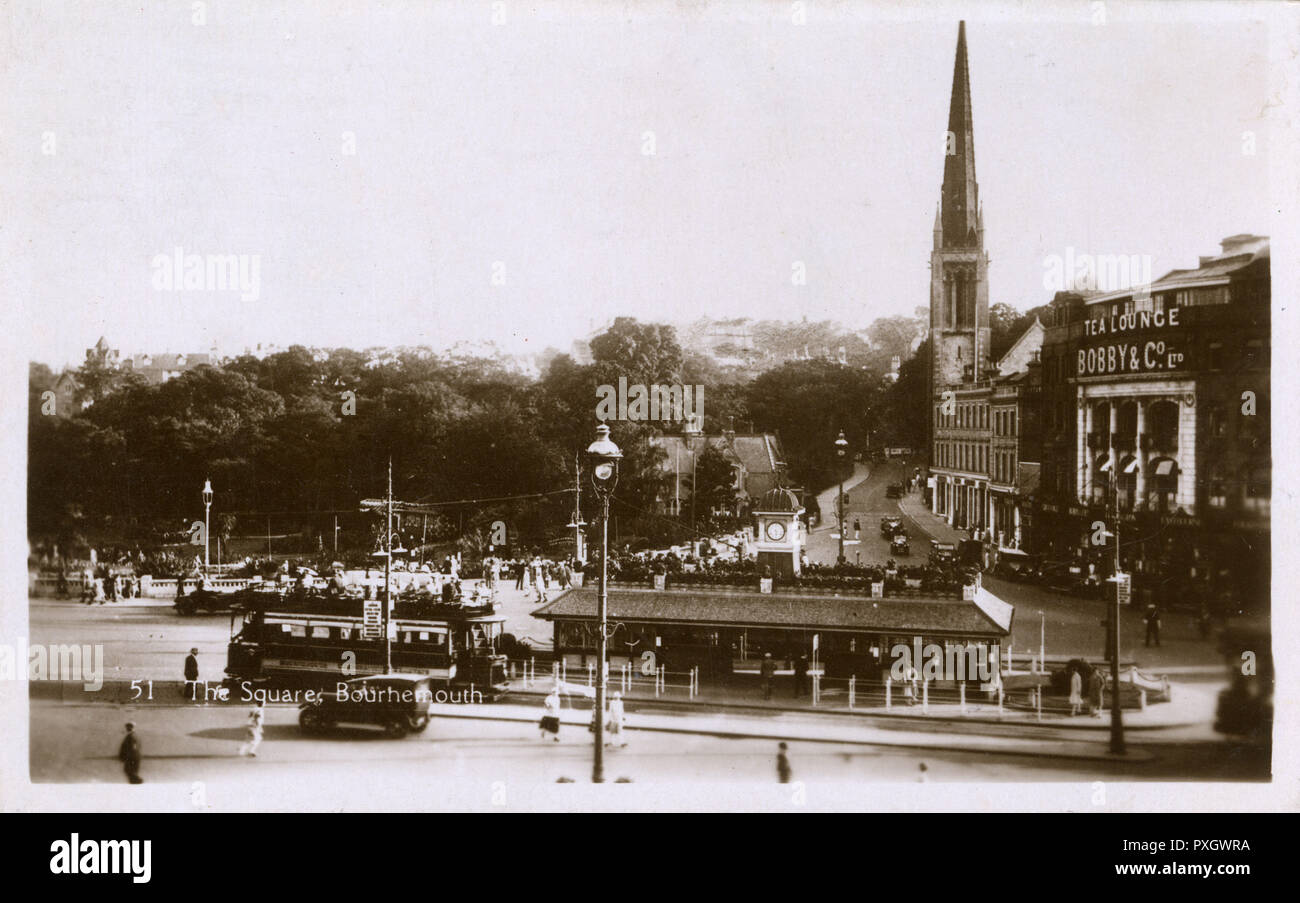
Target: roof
(778,500)
(758,453)
(988,616)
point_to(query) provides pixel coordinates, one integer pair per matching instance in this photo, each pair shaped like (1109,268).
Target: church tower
(959,288)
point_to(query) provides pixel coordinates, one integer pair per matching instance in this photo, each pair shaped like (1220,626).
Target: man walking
(782,764)
(191,675)
(768,672)
(255,724)
(129,754)
(1153,624)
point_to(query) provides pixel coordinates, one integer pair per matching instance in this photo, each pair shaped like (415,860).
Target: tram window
(345,633)
(320,633)
(424,634)
(297,630)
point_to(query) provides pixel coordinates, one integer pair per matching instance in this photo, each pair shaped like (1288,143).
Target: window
(1258,489)
(1216,492)
(1128,306)
(1158,304)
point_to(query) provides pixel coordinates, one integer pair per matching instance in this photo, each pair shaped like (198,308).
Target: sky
(425,173)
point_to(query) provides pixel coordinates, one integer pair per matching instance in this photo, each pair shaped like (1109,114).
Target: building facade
(1155,403)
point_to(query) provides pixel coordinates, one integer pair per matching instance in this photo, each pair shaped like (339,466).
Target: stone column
(1110,443)
(1186,495)
(1089,460)
(1140,453)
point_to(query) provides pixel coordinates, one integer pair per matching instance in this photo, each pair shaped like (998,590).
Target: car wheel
(418,723)
(396,728)
(310,721)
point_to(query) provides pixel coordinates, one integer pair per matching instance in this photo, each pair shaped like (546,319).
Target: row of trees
(304,434)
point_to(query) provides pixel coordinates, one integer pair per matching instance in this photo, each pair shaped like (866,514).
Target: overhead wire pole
(388,565)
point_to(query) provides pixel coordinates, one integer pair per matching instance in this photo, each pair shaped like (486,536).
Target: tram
(319,639)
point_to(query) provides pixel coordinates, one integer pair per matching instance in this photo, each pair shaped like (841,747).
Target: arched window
(1162,426)
(1126,482)
(1162,484)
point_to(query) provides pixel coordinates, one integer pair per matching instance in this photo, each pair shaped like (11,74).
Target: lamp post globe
(602,457)
(207,508)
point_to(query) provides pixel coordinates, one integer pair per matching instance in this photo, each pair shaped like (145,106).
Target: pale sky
(523,143)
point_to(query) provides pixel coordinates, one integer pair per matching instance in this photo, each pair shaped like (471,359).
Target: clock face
(776,531)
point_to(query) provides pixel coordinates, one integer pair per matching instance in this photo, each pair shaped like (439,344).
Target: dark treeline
(305,433)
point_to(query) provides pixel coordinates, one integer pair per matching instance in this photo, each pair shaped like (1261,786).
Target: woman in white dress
(1076,692)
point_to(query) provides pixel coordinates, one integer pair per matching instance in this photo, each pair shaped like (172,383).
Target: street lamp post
(603,456)
(841,444)
(207,509)
(1116,716)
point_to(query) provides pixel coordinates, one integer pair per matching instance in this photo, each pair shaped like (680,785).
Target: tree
(715,483)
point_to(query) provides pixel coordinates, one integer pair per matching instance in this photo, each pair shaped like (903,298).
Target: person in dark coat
(129,754)
(1153,624)
(801,675)
(782,764)
(768,672)
(191,675)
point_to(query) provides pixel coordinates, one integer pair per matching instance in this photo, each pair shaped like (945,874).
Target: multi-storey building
(1156,406)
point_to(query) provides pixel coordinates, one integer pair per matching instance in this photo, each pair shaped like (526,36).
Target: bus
(319,639)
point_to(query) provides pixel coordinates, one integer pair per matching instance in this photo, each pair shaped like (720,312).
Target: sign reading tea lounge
(1155,351)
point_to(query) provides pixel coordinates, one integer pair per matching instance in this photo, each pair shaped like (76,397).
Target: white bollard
(1038,702)
(999,701)
(853,689)
(564,670)
(1142,699)
(591,673)
(962,689)
(925,695)
(889,686)
(1011,665)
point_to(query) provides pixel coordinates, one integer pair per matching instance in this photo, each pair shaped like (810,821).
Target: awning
(1164,467)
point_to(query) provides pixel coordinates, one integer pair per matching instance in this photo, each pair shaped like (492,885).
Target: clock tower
(780,532)
(959,280)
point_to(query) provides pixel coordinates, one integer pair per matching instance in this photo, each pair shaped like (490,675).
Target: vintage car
(894,491)
(890,525)
(898,545)
(398,704)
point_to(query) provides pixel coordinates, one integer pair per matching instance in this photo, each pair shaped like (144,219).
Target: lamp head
(841,444)
(207,492)
(603,455)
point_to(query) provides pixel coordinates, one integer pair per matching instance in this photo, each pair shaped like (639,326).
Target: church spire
(960,191)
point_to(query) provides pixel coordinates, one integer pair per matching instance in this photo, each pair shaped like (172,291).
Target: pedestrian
(909,685)
(782,764)
(768,672)
(857,528)
(191,675)
(1153,624)
(801,675)
(255,724)
(1076,692)
(521,574)
(923,774)
(550,723)
(1096,693)
(616,718)
(129,754)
